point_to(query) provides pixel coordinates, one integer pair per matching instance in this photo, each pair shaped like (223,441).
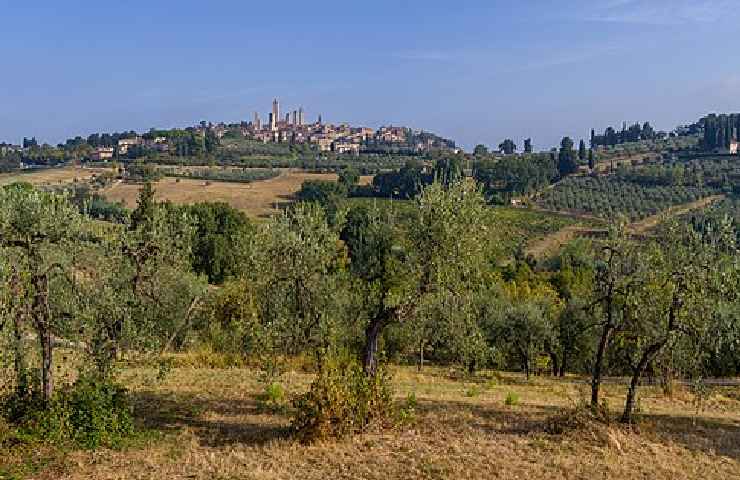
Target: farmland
(607,197)
(51,176)
(258,199)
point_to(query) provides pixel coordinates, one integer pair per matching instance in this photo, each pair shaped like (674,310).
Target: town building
(341,139)
(102,154)
(125,143)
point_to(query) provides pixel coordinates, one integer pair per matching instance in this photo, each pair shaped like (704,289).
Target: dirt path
(550,244)
(646,224)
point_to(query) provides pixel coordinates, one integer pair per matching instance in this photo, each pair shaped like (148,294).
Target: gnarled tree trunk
(42,322)
(370,354)
(599,364)
(19,360)
(648,355)
(564,362)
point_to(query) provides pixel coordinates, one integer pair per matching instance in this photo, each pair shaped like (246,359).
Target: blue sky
(475,71)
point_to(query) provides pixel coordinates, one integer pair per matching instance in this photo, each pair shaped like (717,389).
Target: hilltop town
(290,130)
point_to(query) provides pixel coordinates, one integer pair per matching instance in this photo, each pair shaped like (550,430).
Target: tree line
(631,134)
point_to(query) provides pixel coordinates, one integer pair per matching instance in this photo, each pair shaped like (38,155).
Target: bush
(91,413)
(273,398)
(342,401)
(512,399)
(407,413)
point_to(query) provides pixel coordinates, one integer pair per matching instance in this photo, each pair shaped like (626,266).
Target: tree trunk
(564,362)
(19,361)
(42,321)
(421,356)
(554,360)
(598,365)
(646,358)
(47,375)
(370,355)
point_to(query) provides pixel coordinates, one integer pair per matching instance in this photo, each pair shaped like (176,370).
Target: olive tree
(295,275)
(617,267)
(39,233)
(439,258)
(685,278)
(138,292)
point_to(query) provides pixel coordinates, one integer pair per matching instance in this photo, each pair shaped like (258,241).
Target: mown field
(198,423)
(51,176)
(257,199)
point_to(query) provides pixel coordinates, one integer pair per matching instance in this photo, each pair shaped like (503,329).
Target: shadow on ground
(221,422)
(708,435)
(239,421)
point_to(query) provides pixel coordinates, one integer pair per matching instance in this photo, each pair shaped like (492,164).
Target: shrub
(407,413)
(90,413)
(273,398)
(512,399)
(342,401)
(473,391)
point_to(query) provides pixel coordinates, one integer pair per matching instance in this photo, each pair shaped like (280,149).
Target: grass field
(51,176)
(258,199)
(208,424)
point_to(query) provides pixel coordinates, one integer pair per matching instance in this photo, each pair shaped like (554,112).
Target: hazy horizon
(476,73)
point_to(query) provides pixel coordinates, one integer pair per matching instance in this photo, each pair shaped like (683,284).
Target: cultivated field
(211,425)
(257,199)
(552,243)
(51,176)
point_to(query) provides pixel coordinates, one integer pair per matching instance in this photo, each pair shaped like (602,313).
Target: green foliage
(91,413)
(720,130)
(349,177)
(273,398)
(406,183)
(296,276)
(608,197)
(325,193)
(220,240)
(514,175)
(407,411)
(223,174)
(634,133)
(480,150)
(567,162)
(507,147)
(512,399)
(448,170)
(141,172)
(343,400)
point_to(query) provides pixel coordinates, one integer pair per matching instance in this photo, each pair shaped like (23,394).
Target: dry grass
(257,199)
(52,176)
(214,429)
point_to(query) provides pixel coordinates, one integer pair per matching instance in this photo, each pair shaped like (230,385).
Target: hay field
(257,199)
(51,176)
(209,424)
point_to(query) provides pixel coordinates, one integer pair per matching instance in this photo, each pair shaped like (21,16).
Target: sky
(474,71)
